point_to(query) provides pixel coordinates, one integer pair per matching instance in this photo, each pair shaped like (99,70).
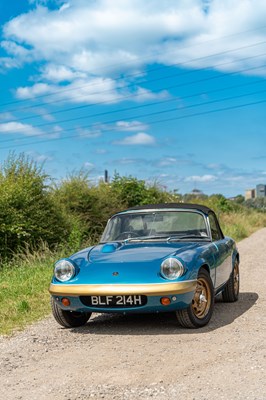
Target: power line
(157,121)
(150,123)
(149,114)
(136,94)
(23,128)
(132,75)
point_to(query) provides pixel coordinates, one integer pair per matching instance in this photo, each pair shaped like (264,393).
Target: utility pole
(106,178)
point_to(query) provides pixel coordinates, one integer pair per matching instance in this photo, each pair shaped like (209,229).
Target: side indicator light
(65,302)
(165,301)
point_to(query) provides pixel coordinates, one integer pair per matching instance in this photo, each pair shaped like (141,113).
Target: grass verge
(240,225)
(24,296)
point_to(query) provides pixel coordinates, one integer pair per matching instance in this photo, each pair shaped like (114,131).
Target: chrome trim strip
(149,289)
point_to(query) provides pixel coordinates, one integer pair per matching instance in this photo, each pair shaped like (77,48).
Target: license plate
(122,301)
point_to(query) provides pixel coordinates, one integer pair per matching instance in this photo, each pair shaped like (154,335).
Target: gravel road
(143,357)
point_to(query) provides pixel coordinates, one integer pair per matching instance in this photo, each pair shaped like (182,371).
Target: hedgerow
(73,213)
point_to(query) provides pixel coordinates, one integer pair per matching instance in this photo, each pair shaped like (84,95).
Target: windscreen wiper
(188,237)
(146,238)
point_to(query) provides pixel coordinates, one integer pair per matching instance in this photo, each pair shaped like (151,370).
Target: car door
(222,252)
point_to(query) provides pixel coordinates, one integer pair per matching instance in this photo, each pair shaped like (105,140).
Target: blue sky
(173,92)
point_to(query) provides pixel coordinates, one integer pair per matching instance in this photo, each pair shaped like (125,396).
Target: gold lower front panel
(151,289)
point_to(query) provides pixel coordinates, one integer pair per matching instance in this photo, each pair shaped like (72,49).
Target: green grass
(240,225)
(24,296)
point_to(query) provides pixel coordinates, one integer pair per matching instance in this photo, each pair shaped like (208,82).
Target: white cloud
(127,161)
(12,127)
(88,165)
(80,90)
(123,36)
(8,63)
(18,127)
(90,91)
(56,131)
(130,126)
(122,31)
(141,94)
(43,113)
(39,158)
(5,116)
(39,89)
(101,151)
(89,133)
(202,178)
(167,161)
(122,126)
(19,51)
(140,138)
(214,166)
(60,73)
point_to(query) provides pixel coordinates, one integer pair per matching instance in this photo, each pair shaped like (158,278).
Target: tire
(69,319)
(199,312)
(231,290)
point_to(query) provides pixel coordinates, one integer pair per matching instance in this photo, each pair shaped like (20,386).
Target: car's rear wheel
(231,290)
(199,312)
(69,319)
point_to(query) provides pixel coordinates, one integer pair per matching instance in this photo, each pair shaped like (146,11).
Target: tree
(89,206)
(240,199)
(133,192)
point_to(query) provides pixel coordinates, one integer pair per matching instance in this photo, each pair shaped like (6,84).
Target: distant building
(259,191)
(250,194)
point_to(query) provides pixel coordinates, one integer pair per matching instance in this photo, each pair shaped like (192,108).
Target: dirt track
(143,357)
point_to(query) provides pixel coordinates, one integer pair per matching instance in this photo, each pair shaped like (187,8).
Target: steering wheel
(126,235)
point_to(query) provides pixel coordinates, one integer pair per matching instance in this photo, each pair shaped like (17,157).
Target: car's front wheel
(69,319)
(199,312)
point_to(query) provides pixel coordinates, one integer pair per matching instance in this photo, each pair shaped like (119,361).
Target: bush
(88,206)
(91,206)
(133,192)
(75,212)
(28,213)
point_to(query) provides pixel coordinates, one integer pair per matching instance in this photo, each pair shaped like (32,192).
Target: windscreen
(154,223)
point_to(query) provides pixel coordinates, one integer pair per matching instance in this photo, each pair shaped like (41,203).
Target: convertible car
(150,259)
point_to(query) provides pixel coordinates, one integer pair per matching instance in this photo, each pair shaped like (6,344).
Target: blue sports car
(152,258)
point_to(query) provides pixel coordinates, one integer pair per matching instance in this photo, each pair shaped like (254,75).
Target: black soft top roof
(198,207)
